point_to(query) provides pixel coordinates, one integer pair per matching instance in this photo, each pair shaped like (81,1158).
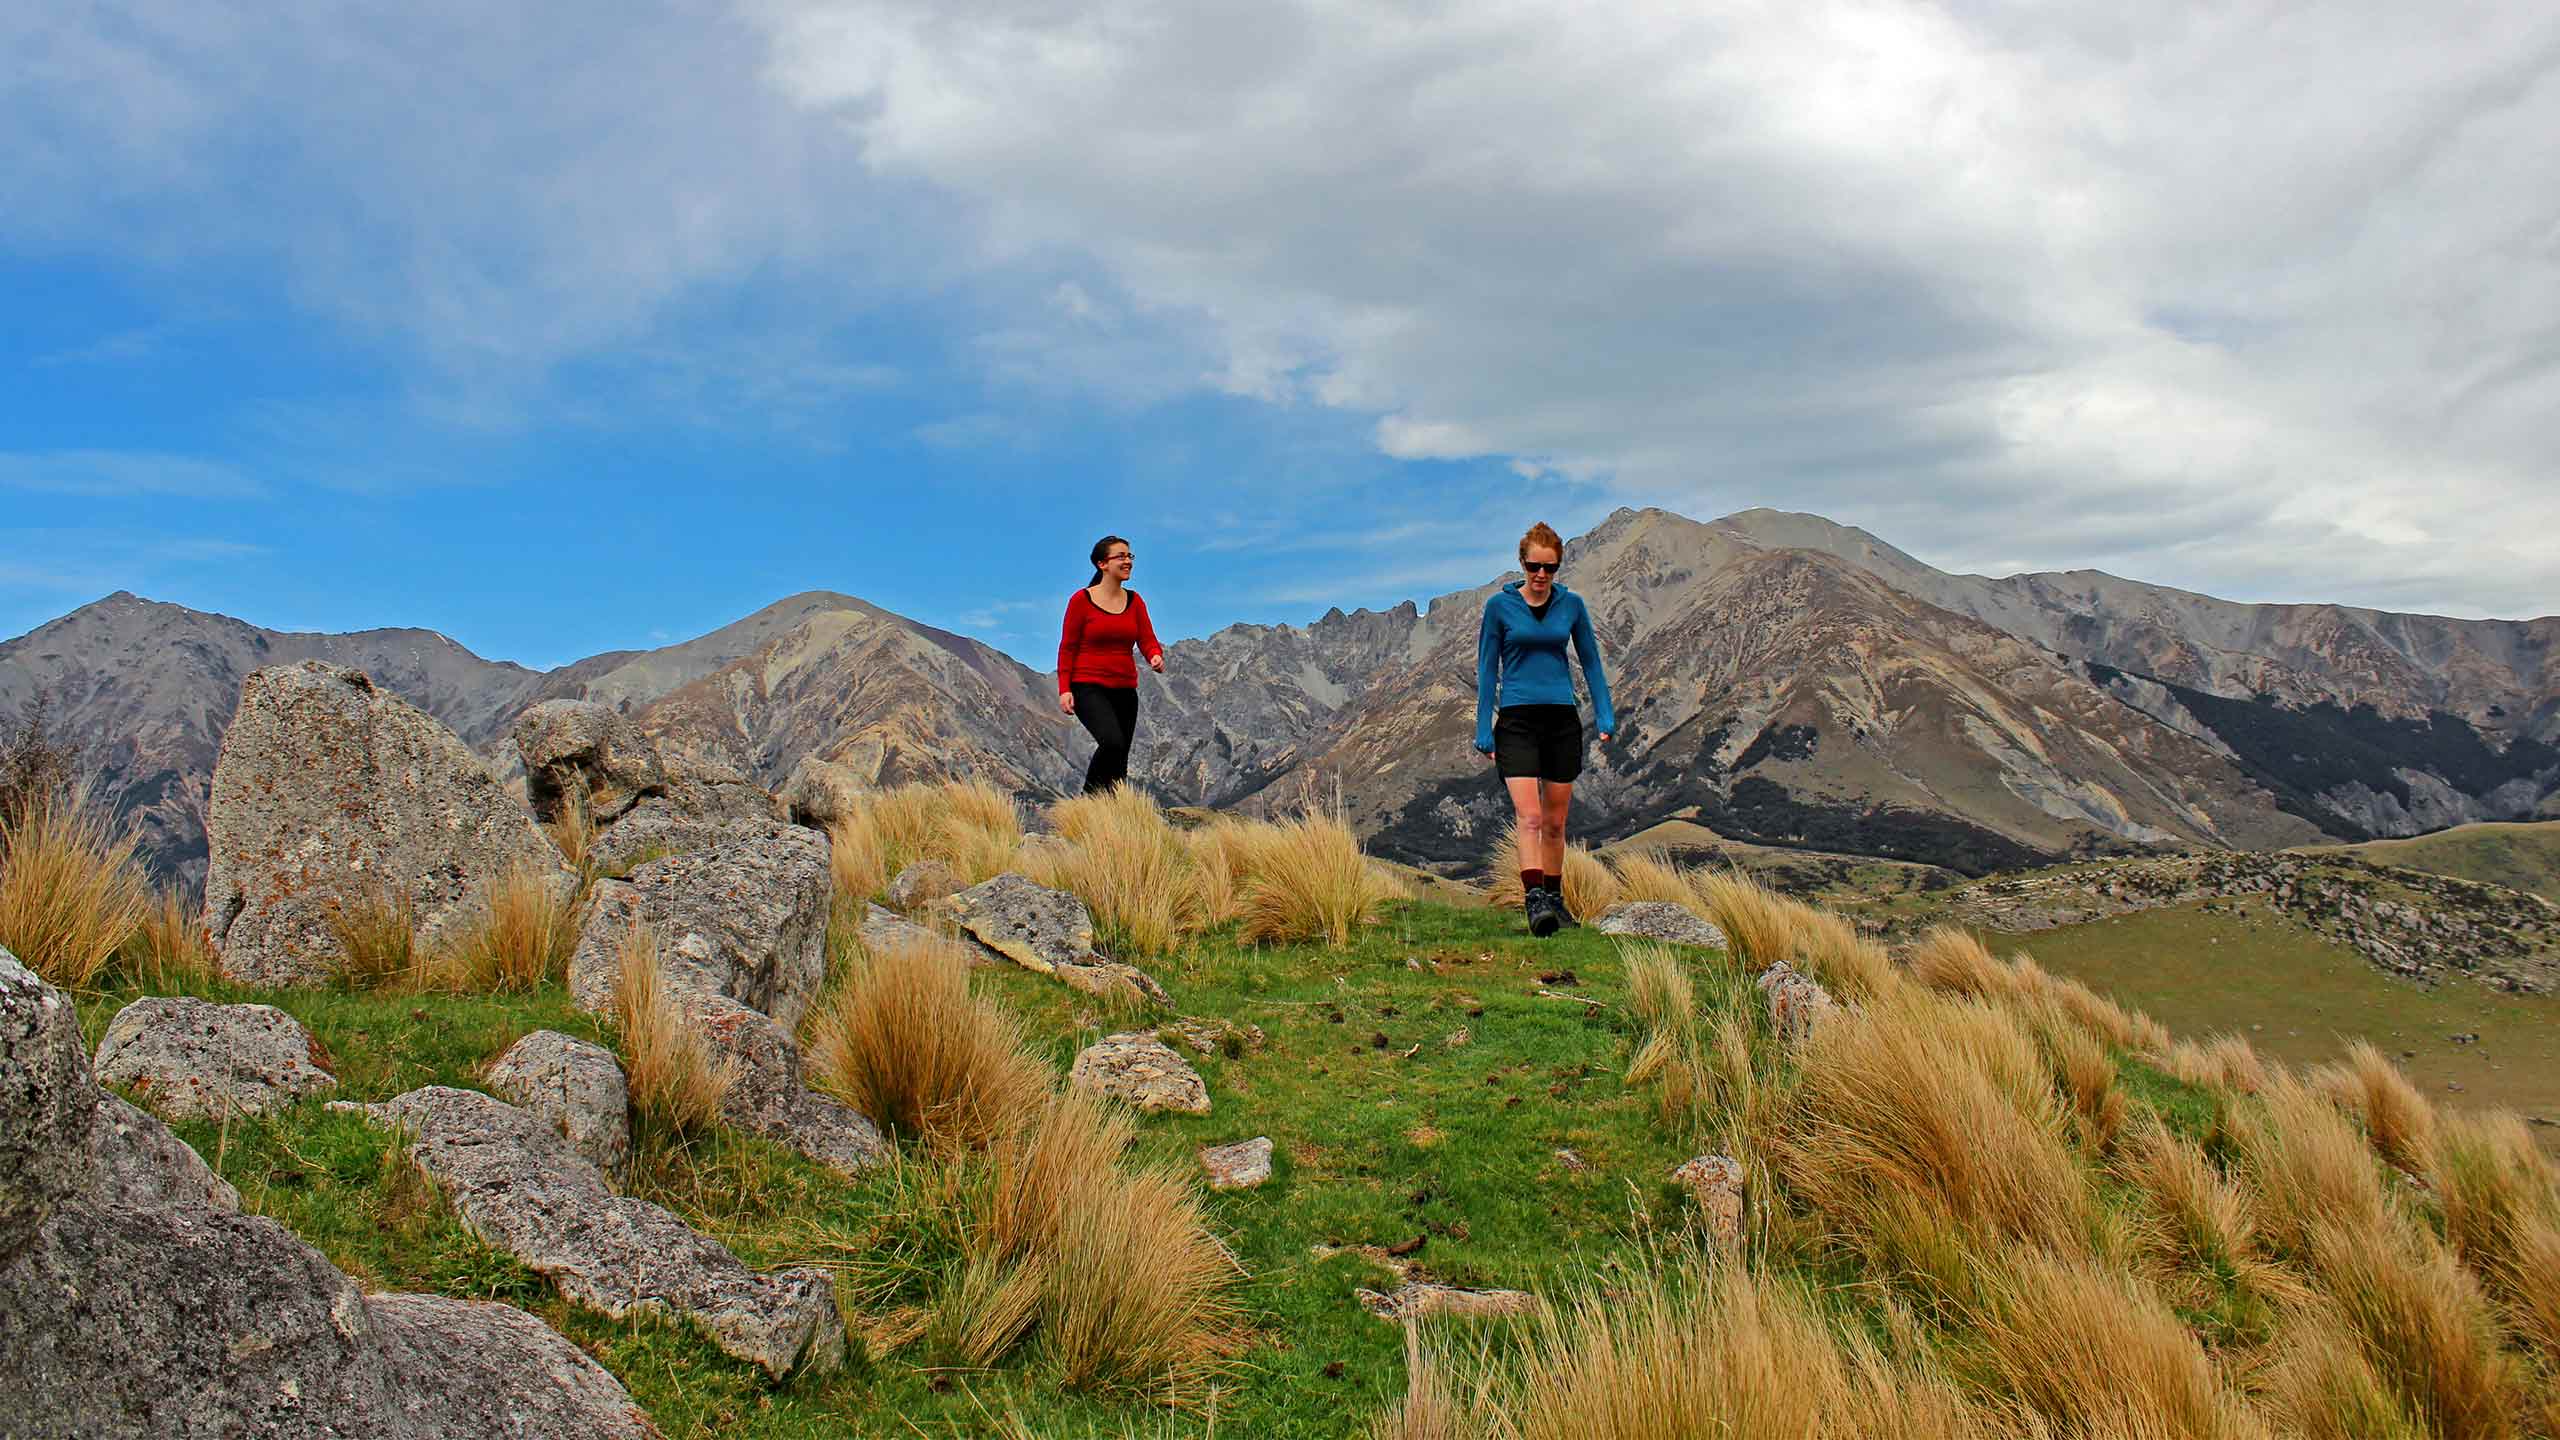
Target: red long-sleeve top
(1093,645)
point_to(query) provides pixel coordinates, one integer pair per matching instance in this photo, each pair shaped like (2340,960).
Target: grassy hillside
(2520,856)
(1980,1199)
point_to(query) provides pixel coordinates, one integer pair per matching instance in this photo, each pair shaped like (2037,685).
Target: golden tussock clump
(1131,869)
(2097,1353)
(967,825)
(2194,1220)
(1590,887)
(1754,1353)
(376,932)
(1953,961)
(1647,875)
(518,939)
(902,1039)
(1310,881)
(2425,1327)
(1761,926)
(169,950)
(2399,1121)
(677,1088)
(71,893)
(2501,1204)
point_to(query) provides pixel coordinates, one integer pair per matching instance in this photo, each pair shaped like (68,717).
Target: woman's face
(1539,564)
(1116,565)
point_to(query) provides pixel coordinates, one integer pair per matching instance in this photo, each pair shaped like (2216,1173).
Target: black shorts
(1544,741)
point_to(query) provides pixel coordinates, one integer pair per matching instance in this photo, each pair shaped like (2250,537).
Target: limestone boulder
(193,1059)
(515,1184)
(137,1303)
(136,1163)
(1031,925)
(1139,1070)
(1240,1166)
(921,882)
(746,918)
(820,793)
(47,1101)
(1659,920)
(585,760)
(1716,1181)
(331,792)
(1797,1002)
(576,1088)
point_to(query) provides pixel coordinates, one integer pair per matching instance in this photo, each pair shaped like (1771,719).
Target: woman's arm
(1586,643)
(1488,662)
(1070,634)
(1148,645)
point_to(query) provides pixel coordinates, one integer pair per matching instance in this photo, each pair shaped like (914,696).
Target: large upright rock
(746,919)
(574,1087)
(818,793)
(136,1303)
(330,792)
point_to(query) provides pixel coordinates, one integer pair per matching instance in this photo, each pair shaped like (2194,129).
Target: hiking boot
(1564,912)
(1546,912)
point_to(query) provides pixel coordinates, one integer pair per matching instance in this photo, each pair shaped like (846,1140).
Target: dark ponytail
(1101,548)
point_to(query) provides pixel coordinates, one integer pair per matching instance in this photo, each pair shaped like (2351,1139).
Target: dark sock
(1554,882)
(1529,880)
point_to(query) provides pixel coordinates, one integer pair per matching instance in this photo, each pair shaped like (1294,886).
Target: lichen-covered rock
(1797,1002)
(47,1100)
(820,793)
(1717,1182)
(574,1087)
(187,1058)
(331,792)
(1140,1070)
(771,1095)
(136,1303)
(1240,1166)
(883,929)
(518,1186)
(1659,920)
(1122,986)
(923,881)
(746,918)
(1421,1300)
(1031,925)
(136,1162)
(585,760)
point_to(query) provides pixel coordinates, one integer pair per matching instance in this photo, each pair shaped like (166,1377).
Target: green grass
(2300,998)
(1454,1146)
(2521,856)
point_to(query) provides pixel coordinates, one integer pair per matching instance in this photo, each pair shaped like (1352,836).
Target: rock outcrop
(920,883)
(188,1058)
(1797,1002)
(1138,1069)
(1031,925)
(574,1087)
(136,1304)
(819,793)
(1240,1166)
(331,792)
(516,1184)
(585,762)
(1716,1181)
(1659,920)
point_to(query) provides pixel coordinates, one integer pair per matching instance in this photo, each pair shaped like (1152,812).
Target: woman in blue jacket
(1536,740)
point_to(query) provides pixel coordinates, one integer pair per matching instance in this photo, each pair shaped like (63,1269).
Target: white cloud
(107,473)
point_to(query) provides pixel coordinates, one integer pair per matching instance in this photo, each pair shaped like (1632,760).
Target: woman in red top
(1097,681)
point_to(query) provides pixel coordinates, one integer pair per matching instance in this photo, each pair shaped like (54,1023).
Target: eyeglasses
(1538,567)
(1123,555)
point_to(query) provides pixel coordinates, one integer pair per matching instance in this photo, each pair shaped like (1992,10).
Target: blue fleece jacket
(1526,655)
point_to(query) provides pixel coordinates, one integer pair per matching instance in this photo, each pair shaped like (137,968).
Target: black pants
(1110,712)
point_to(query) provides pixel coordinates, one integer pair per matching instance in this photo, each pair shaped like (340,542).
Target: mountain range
(1779,678)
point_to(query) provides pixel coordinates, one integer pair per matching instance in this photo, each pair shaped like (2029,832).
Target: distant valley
(1781,679)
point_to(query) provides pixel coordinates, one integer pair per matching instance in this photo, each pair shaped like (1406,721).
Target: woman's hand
(1155,662)
(1067,701)
(1606,737)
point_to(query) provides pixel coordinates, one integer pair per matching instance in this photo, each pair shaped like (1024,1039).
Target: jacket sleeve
(1148,645)
(1070,631)
(1488,664)
(1586,643)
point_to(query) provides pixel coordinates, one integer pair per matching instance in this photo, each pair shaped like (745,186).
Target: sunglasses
(1538,567)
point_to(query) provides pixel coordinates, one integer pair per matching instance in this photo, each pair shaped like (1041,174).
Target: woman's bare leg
(1555,801)
(1525,807)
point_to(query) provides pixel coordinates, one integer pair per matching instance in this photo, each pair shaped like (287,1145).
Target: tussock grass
(1310,882)
(968,825)
(1659,989)
(519,938)
(1647,875)
(2501,1208)
(2321,1386)
(2424,1326)
(168,950)
(903,1040)
(1068,1141)
(1131,869)
(376,931)
(1761,926)
(2307,1166)
(2194,1220)
(1851,966)
(677,1087)
(1928,1106)
(573,832)
(2096,1353)
(857,865)
(2400,1122)
(1953,961)
(986,1307)
(1751,1357)
(71,893)
(1221,854)
(2227,1063)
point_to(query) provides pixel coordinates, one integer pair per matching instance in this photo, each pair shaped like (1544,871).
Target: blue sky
(596,326)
